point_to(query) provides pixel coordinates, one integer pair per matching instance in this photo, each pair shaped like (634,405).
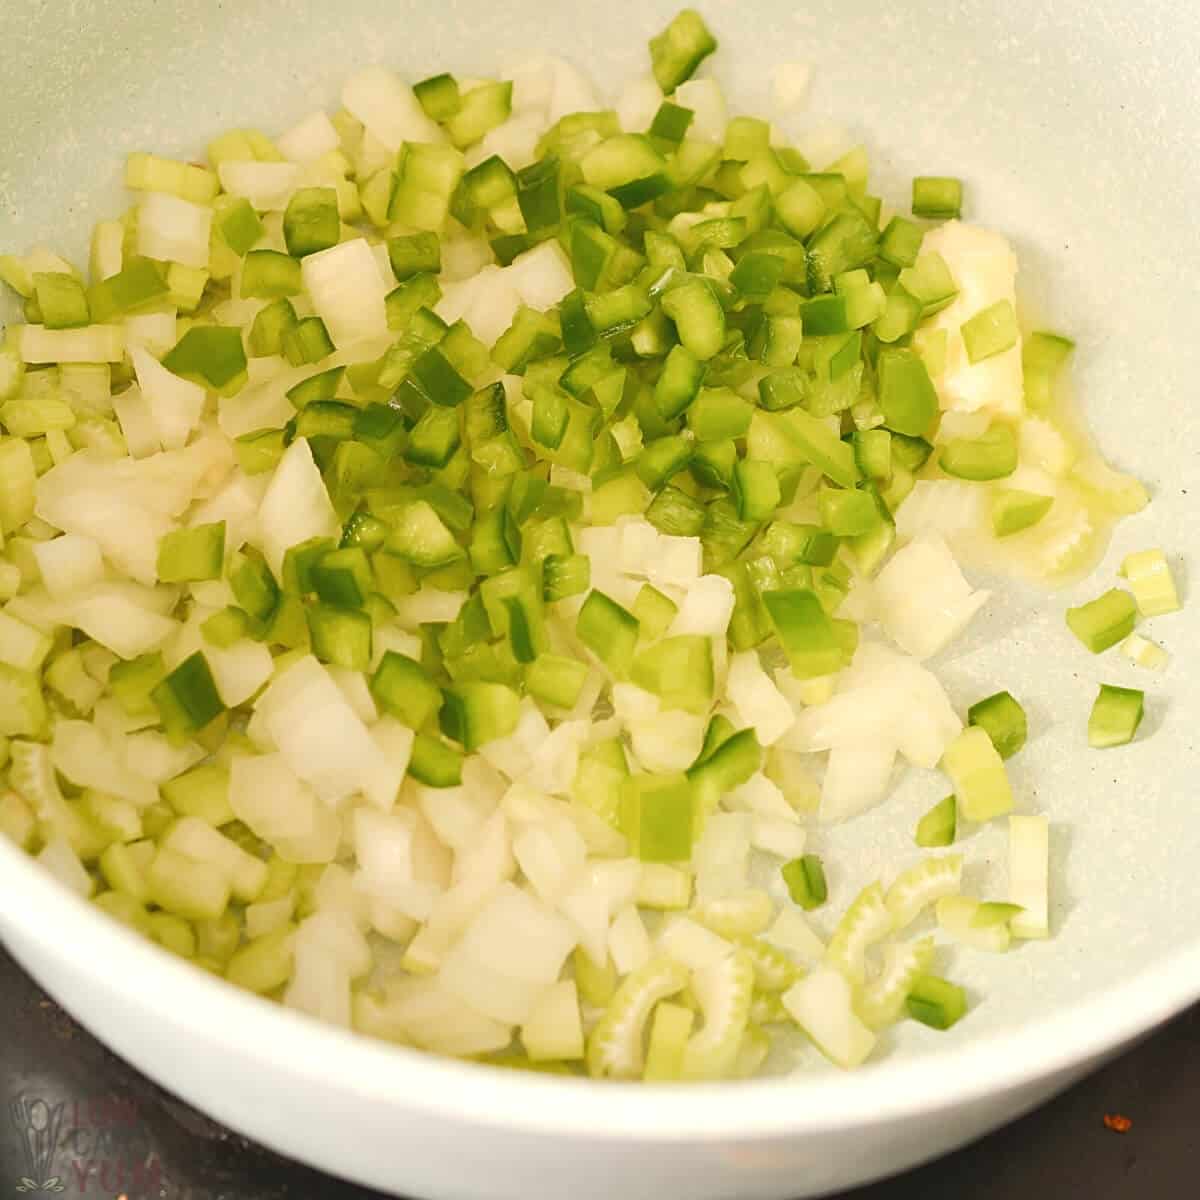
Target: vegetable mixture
(457,553)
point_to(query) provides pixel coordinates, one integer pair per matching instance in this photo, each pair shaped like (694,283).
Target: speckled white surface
(1074,127)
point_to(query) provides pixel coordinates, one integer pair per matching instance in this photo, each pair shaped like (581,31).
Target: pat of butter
(985,270)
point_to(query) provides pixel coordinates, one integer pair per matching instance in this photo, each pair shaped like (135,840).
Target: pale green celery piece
(741,914)
(725,991)
(1144,653)
(983,926)
(774,971)
(884,998)
(922,885)
(868,920)
(670,1029)
(263,964)
(977,772)
(1149,576)
(615,1046)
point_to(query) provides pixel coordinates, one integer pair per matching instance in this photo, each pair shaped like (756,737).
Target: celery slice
(1149,576)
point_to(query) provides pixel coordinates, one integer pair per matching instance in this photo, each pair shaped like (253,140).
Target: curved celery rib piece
(774,971)
(920,886)
(868,920)
(904,963)
(740,915)
(615,1047)
(724,991)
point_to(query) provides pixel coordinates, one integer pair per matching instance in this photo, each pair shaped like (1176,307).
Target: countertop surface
(118,1135)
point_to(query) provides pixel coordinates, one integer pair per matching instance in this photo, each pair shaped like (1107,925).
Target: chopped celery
(977,772)
(1149,576)
(669,1032)
(1144,652)
(553,564)
(614,1048)
(1029,875)
(922,885)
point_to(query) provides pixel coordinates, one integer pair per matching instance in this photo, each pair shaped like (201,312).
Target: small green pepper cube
(1003,720)
(311,221)
(307,341)
(938,197)
(935,1002)
(608,630)
(61,299)
(1115,717)
(414,254)
(226,626)
(340,636)
(238,223)
(270,275)
(188,555)
(438,380)
(269,327)
(805,880)
(343,577)
(906,393)
(475,713)
(806,632)
(254,586)
(657,814)
(939,825)
(434,763)
(401,687)
(565,575)
(210,354)
(1105,621)
(187,699)
(1014,509)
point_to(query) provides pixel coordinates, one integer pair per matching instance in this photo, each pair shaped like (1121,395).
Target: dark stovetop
(120,1136)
